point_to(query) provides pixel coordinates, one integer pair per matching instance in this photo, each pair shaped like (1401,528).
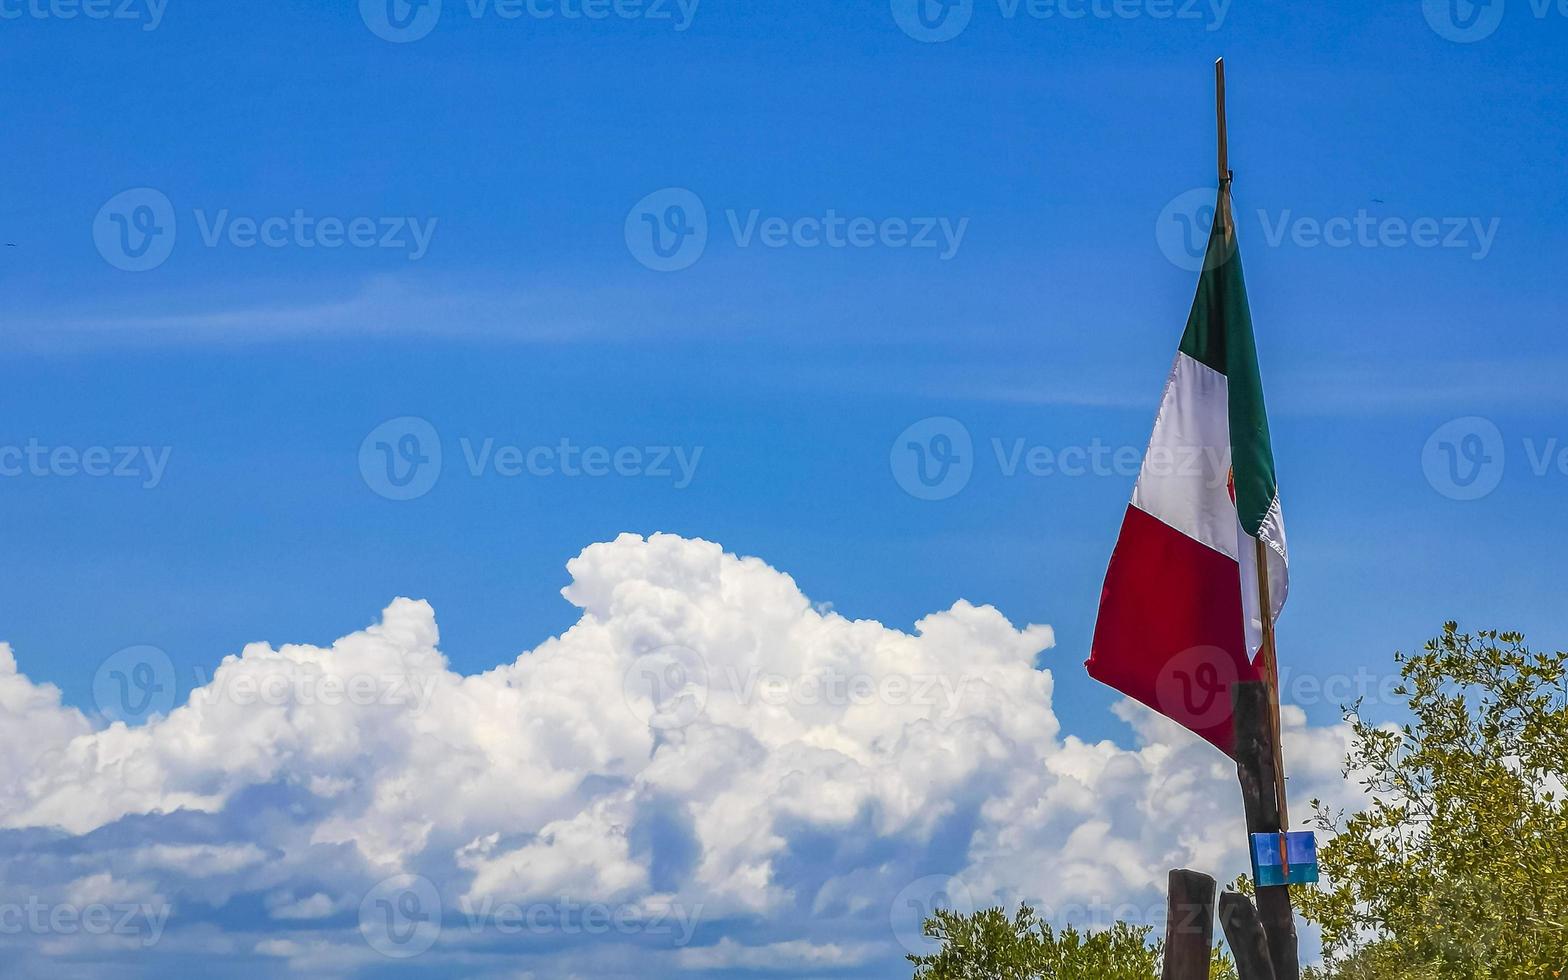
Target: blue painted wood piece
(1269,870)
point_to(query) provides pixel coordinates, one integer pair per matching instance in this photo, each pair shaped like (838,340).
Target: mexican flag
(1179,615)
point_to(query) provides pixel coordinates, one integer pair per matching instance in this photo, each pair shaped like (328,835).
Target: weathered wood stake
(1189,926)
(1244,932)
(1255,770)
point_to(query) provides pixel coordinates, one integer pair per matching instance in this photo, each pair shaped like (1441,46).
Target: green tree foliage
(1458,870)
(990,945)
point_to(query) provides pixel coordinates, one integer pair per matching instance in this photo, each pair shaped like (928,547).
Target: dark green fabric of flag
(1219,334)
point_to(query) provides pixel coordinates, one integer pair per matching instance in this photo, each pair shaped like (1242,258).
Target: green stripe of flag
(1219,334)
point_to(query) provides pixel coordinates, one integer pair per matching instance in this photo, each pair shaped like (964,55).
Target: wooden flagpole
(1266,653)
(1224,143)
(1258,713)
(1270,660)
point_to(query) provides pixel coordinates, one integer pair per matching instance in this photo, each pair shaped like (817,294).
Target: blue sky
(1041,153)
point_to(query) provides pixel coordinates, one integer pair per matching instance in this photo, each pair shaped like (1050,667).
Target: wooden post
(1255,771)
(1189,926)
(1244,934)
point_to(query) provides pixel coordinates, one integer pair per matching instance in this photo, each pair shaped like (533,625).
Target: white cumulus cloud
(707,771)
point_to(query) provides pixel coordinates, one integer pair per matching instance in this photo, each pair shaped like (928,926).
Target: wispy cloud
(380,305)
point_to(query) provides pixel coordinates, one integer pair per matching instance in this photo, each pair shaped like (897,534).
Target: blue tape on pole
(1267,867)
